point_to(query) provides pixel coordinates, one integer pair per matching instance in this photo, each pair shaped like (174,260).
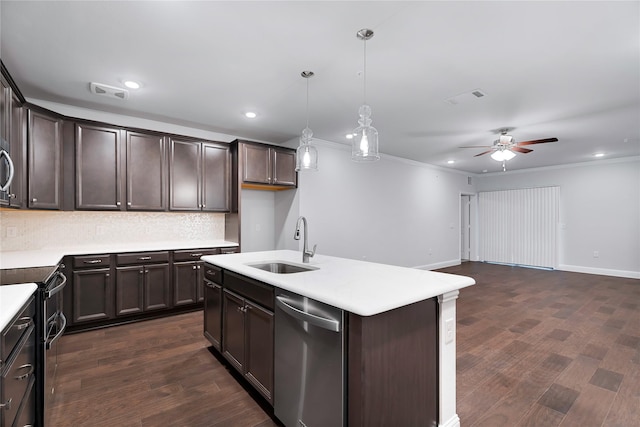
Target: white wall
(599,212)
(257,223)
(392,211)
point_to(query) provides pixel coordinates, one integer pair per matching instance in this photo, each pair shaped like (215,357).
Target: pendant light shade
(306,154)
(364,145)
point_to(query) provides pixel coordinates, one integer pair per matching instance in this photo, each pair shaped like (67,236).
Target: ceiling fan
(505,148)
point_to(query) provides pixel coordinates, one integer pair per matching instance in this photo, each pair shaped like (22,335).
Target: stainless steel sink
(282,267)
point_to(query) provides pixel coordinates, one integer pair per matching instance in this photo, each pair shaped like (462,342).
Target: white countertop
(12,298)
(363,288)
(51,256)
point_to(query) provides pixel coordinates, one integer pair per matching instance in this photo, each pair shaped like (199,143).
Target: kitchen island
(400,328)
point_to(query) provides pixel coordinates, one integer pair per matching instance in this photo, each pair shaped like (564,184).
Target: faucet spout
(306,254)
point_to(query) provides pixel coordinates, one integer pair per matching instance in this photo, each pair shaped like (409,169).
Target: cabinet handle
(209,285)
(117,203)
(211,272)
(128,203)
(141,271)
(194,267)
(196,255)
(204,206)
(12,196)
(6,405)
(198,267)
(28,366)
(24,325)
(146,271)
(106,275)
(144,258)
(93,261)
(34,200)
(242,309)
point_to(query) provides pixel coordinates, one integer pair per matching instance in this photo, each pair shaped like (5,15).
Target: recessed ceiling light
(131,84)
(250,114)
(451,161)
(598,155)
(349,136)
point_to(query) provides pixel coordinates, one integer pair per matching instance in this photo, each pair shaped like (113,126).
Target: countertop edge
(12,298)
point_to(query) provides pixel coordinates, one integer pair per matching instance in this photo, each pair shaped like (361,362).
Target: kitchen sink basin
(282,267)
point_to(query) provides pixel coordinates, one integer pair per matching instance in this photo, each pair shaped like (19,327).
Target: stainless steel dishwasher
(309,372)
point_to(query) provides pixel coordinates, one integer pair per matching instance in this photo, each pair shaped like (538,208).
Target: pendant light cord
(364,72)
(307,102)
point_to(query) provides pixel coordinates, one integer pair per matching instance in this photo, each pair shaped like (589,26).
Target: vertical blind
(519,226)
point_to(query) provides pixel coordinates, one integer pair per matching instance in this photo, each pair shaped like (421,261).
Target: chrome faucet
(305,250)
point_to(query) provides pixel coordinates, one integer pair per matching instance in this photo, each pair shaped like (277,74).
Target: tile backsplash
(29,229)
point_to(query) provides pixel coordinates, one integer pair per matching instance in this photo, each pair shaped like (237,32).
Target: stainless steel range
(50,325)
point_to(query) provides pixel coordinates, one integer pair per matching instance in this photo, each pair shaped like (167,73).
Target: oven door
(54,327)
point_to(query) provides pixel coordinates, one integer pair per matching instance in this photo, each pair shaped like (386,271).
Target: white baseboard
(437,265)
(600,271)
(451,422)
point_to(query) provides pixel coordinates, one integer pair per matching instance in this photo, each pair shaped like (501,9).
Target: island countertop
(12,298)
(362,288)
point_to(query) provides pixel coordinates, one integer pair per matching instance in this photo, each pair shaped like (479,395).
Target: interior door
(465,227)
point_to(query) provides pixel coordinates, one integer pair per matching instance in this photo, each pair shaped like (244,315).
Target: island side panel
(393,367)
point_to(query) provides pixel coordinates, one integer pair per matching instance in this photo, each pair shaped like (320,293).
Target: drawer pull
(211,272)
(28,366)
(92,261)
(6,405)
(209,285)
(196,255)
(144,258)
(29,322)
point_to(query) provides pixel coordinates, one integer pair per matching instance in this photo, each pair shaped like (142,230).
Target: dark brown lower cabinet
(142,288)
(247,340)
(92,295)
(187,282)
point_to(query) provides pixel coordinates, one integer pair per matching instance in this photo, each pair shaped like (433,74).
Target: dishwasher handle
(319,321)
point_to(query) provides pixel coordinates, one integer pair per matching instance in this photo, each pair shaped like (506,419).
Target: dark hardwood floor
(535,348)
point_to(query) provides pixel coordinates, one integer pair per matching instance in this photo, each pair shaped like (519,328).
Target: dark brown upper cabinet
(147,186)
(198,176)
(44,144)
(264,166)
(98,168)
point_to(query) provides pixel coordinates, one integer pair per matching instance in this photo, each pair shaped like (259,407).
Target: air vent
(109,91)
(466,97)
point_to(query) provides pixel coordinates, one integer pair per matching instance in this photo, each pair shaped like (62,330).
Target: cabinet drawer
(91,261)
(193,254)
(18,376)
(249,288)
(12,334)
(213,273)
(142,258)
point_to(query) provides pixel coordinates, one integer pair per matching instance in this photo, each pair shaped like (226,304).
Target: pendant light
(306,154)
(364,145)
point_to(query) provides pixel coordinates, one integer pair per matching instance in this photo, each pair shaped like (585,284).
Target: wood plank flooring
(535,348)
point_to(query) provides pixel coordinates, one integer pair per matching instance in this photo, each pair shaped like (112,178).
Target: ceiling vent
(109,91)
(466,97)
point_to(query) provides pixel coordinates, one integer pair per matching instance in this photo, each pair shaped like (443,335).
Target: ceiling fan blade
(520,149)
(537,141)
(476,146)
(488,151)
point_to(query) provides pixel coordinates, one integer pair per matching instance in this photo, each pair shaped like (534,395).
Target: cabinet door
(184,175)
(185,283)
(215,178)
(256,164)
(98,181)
(146,172)
(157,292)
(284,167)
(45,161)
(259,348)
(5,93)
(213,313)
(92,295)
(233,344)
(129,290)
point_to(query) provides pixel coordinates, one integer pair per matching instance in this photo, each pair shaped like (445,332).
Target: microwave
(6,172)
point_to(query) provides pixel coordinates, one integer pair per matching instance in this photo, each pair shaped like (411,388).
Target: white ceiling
(569,70)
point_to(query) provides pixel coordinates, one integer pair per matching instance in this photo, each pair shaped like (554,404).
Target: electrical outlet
(450,332)
(596,254)
(12,231)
